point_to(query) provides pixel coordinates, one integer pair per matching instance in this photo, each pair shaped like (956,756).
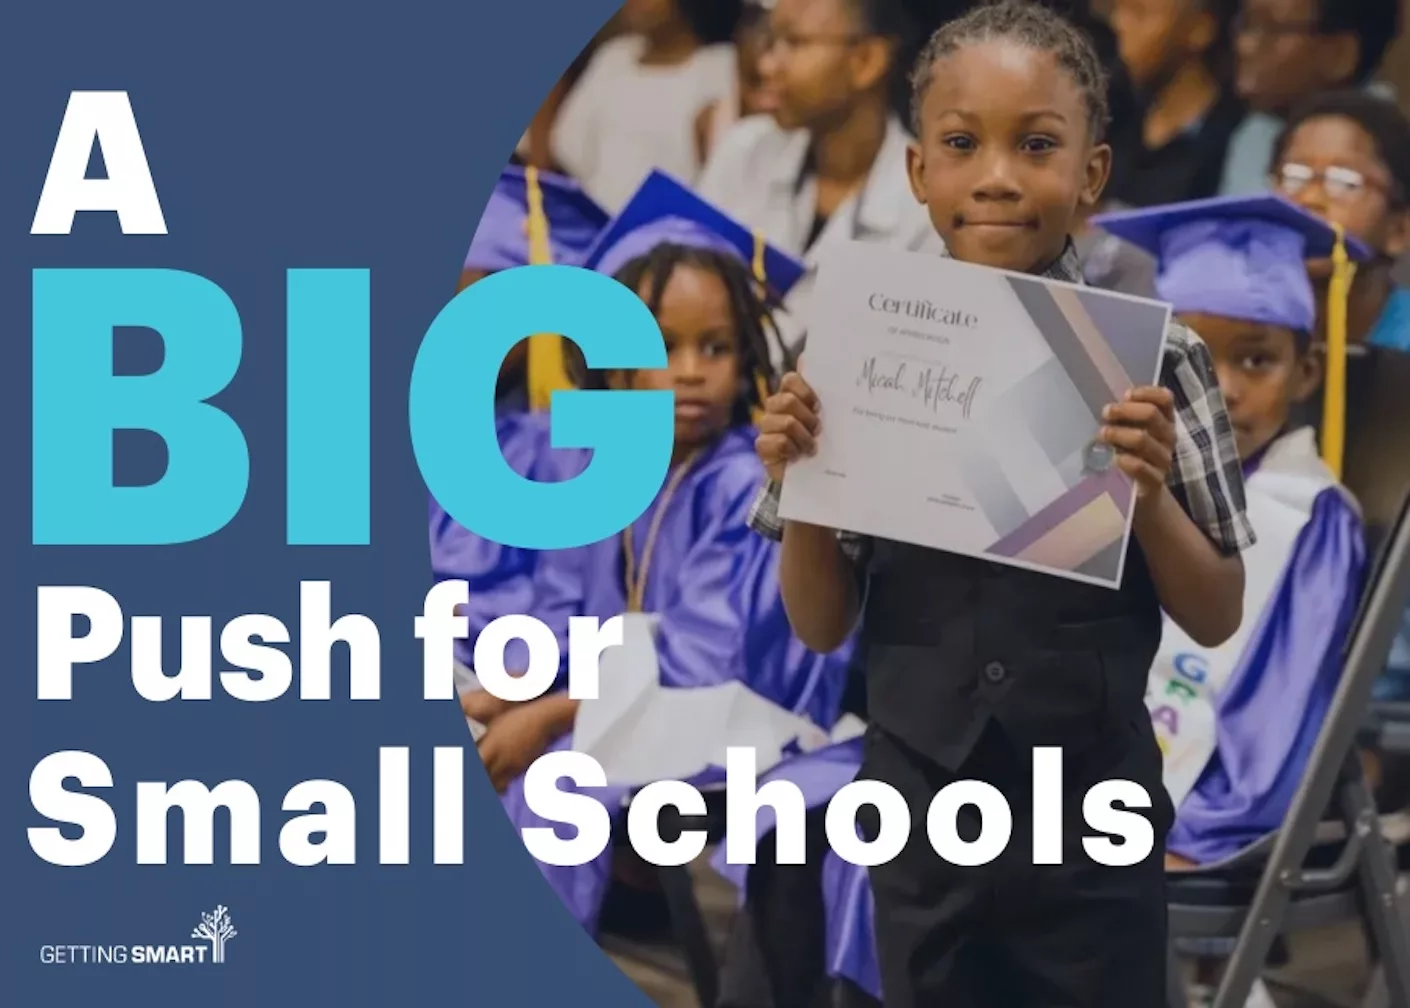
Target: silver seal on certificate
(1099,457)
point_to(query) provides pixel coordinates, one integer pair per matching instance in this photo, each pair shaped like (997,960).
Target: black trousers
(1011,933)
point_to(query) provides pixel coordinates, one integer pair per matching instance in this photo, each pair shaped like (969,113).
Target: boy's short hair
(1380,118)
(1037,26)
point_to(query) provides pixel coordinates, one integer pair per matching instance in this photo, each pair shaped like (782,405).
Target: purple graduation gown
(714,583)
(500,578)
(1273,706)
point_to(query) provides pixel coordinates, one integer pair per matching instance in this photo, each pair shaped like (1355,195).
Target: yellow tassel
(548,372)
(761,276)
(1334,392)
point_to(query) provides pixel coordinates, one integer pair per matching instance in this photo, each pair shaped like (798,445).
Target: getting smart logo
(214,931)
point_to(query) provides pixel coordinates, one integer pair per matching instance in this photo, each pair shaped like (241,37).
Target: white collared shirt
(756,174)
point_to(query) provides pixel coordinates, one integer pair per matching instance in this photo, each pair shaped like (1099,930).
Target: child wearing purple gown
(690,559)
(1237,723)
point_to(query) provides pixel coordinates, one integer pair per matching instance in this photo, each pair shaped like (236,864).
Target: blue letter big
(79,403)
(453,419)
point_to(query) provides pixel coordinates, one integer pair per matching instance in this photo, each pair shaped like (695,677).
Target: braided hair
(751,308)
(1028,24)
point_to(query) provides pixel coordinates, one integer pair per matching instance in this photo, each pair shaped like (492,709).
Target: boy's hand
(1142,430)
(789,427)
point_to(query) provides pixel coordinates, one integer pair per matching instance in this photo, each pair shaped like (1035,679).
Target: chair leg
(690,932)
(1389,912)
(1264,919)
(1387,909)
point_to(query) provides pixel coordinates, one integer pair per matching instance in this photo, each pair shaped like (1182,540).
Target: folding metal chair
(1377,471)
(1311,874)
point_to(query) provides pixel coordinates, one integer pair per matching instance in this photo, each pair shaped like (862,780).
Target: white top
(623,119)
(756,175)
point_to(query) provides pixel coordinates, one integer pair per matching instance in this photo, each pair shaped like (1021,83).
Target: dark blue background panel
(279,135)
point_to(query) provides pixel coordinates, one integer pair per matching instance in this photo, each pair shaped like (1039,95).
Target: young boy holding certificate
(971,664)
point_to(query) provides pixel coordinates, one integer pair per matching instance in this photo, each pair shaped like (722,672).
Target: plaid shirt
(1205,476)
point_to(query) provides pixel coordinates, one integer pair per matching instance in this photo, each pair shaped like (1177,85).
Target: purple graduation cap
(502,240)
(663,211)
(1239,257)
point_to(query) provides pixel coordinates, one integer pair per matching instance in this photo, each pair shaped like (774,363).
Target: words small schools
(328,836)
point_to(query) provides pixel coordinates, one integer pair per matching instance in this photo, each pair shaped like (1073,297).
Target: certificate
(960,407)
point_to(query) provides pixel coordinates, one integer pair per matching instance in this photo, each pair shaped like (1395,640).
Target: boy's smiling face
(1005,157)
(1263,372)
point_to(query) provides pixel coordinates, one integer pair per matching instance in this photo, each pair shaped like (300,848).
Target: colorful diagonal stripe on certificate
(1058,409)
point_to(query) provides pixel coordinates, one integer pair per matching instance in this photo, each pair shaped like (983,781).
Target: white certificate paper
(960,407)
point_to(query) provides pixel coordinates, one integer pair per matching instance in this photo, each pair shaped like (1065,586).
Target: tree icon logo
(216,928)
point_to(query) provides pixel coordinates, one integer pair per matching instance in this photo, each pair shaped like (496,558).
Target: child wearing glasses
(1345,157)
(1290,51)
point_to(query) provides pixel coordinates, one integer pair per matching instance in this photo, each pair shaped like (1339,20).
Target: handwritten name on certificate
(961,405)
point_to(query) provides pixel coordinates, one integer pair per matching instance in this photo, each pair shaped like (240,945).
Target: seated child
(1345,156)
(634,107)
(691,558)
(1238,722)
(566,222)
(751,41)
(1178,53)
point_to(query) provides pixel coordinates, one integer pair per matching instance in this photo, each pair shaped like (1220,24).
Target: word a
(80,403)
